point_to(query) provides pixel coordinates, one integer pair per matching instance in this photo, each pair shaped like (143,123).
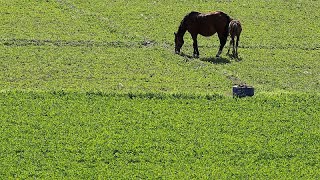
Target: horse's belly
(207,34)
(207,31)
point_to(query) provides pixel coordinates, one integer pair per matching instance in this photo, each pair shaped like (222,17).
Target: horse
(234,31)
(205,24)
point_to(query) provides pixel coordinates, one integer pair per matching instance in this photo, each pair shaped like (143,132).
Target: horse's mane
(182,27)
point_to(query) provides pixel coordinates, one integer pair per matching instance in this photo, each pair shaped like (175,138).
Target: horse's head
(178,40)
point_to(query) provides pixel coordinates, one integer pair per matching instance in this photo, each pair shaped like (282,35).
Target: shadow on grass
(216,60)
(186,56)
(213,60)
(237,59)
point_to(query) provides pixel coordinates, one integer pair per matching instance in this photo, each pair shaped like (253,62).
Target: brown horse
(204,24)
(234,31)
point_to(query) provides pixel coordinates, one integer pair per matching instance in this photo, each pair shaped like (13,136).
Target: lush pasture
(95,135)
(92,89)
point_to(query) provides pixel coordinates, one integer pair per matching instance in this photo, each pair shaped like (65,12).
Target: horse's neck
(181,31)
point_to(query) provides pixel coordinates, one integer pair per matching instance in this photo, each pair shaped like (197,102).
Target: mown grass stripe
(161,95)
(123,44)
(75,43)
(130,95)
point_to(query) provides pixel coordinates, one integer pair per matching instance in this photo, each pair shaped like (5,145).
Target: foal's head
(178,40)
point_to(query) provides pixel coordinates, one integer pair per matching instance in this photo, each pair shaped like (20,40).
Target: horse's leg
(195,46)
(223,40)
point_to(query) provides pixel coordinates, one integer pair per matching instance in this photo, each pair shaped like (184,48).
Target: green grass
(93,90)
(97,135)
(118,70)
(88,45)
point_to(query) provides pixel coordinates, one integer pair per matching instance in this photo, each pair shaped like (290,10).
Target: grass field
(93,90)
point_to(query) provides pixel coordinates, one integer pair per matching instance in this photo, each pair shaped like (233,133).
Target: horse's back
(206,24)
(219,20)
(212,22)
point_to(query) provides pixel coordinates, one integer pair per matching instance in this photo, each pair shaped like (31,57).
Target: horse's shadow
(237,59)
(216,60)
(213,60)
(186,56)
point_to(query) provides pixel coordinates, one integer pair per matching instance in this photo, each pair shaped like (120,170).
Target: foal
(234,31)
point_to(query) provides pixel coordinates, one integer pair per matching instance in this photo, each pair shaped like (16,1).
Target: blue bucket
(242,90)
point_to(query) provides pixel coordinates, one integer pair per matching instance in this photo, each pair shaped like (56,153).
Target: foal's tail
(234,28)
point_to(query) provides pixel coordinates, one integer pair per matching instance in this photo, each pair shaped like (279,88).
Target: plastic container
(242,91)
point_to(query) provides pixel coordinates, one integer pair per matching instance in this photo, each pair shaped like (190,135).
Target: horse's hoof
(196,56)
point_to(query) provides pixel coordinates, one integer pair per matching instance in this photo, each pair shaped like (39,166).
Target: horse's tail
(227,24)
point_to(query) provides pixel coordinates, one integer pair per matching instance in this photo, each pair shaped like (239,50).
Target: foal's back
(235,28)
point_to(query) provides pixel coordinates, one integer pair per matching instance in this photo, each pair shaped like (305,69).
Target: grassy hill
(92,89)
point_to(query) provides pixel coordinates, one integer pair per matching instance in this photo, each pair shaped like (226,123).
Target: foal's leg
(223,40)
(195,46)
(229,46)
(234,48)
(231,42)
(237,44)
